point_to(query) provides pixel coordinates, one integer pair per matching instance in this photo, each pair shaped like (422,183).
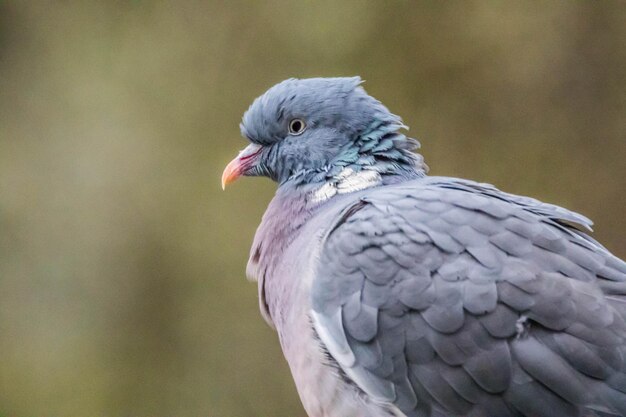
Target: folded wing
(448,297)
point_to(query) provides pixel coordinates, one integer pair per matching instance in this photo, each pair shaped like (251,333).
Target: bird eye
(296,126)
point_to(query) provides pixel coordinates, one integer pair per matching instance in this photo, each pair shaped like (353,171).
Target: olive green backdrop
(122,286)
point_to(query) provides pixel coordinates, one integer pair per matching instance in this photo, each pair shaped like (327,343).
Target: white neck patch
(348,181)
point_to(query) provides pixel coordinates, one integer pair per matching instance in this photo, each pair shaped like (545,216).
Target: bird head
(312,130)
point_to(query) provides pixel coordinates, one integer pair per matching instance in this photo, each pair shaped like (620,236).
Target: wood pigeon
(395,293)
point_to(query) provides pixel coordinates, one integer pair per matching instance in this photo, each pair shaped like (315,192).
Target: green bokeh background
(122,287)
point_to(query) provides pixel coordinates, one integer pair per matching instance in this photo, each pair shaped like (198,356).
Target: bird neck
(380,155)
(286,215)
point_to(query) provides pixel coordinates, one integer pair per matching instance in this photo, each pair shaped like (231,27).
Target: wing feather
(450,297)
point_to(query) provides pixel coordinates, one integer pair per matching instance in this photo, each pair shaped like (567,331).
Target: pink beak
(238,166)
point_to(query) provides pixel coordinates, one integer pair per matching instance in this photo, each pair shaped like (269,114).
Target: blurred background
(122,286)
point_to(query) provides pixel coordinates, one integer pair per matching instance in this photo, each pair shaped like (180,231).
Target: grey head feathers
(342,127)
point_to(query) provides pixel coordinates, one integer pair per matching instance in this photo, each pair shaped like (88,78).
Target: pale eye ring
(296,127)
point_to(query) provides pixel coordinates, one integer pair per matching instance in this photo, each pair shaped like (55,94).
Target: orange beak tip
(231,173)
(240,164)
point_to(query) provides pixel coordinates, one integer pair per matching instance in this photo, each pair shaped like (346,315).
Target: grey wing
(441,301)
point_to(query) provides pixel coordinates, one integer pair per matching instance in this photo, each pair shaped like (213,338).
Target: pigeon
(396,293)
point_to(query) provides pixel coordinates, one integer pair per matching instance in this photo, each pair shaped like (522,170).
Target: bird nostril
(249,151)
